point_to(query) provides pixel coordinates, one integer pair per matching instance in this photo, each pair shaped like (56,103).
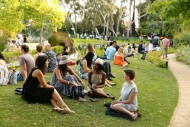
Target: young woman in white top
(127,102)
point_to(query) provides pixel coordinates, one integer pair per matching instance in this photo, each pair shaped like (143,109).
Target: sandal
(59,110)
(81,99)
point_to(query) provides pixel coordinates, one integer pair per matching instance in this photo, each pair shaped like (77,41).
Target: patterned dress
(96,79)
(67,90)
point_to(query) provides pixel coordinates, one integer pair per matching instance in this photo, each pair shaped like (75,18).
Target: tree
(11,17)
(174,14)
(43,14)
(18,14)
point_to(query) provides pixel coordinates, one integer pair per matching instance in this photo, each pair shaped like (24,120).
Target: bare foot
(134,115)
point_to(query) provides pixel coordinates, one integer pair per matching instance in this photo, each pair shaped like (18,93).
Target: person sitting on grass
(68,85)
(106,64)
(39,49)
(127,102)
(85,65)
(35,89)
(119,58)
(96,80)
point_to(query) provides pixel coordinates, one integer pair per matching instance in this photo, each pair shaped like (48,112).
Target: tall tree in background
(11,17)
(18,14)
(43,14)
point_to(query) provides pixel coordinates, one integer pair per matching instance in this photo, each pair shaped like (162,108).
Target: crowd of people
(66,82)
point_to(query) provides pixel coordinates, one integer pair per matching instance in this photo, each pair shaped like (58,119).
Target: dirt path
(181,116)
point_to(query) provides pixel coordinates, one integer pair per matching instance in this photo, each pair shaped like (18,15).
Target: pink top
(166,42)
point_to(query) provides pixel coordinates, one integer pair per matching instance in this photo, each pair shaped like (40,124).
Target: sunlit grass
(157,98)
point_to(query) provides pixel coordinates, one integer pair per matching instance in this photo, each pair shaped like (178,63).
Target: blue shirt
(110,52)
(140,48)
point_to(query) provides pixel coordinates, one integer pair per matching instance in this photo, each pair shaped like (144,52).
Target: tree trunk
(129,22)
(41,36)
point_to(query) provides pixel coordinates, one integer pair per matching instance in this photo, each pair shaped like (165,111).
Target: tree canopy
(18,14)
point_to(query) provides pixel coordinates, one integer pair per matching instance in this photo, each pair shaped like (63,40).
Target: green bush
(155,58)
(57,49)
(183,54)
(182,38)
(3,40)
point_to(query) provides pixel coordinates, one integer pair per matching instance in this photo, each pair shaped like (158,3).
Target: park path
(181,115)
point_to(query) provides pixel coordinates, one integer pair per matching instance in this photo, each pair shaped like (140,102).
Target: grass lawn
(158,94)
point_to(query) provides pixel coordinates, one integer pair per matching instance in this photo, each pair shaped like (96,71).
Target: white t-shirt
(126,90)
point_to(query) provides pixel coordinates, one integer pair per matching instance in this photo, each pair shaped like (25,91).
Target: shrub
(155,58)
(3,40)
(57,49)
(183,54)
(182,38)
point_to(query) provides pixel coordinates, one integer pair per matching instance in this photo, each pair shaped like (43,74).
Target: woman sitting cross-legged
(35,89)
(68,85)
(96,80)
(127,102)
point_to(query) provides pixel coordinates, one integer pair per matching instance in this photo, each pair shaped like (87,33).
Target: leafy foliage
(182,38)
(155,58)
(19,14)
(183,54)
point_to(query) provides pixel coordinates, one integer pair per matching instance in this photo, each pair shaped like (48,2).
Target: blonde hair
(120,50)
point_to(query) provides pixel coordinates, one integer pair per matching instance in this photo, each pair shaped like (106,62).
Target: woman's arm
(85,67)
(130,99)
(61,80)
(89,80)
(73,73)
(38,74)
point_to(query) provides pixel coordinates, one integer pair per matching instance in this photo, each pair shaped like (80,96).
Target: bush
(155,58)
(3,40)
(57,49)
(182,38)
(183,54)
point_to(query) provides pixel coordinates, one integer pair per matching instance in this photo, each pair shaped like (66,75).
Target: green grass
(157,99)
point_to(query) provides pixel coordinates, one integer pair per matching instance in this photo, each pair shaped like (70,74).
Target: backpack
(19,77)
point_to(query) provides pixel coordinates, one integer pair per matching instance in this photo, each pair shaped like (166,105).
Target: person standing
(26,61)
(165,45)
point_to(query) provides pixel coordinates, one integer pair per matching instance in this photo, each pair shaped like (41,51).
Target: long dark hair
(63,68)
(1,56)
(40,62)
(89,56)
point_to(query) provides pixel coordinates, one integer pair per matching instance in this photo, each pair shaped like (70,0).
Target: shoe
(80,99)
(112,84)
(94,99)
(143,58)
(111,76)
(109,79)
(59,110)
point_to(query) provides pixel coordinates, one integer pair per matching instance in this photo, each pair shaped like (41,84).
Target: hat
(99,61)
(64,59)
